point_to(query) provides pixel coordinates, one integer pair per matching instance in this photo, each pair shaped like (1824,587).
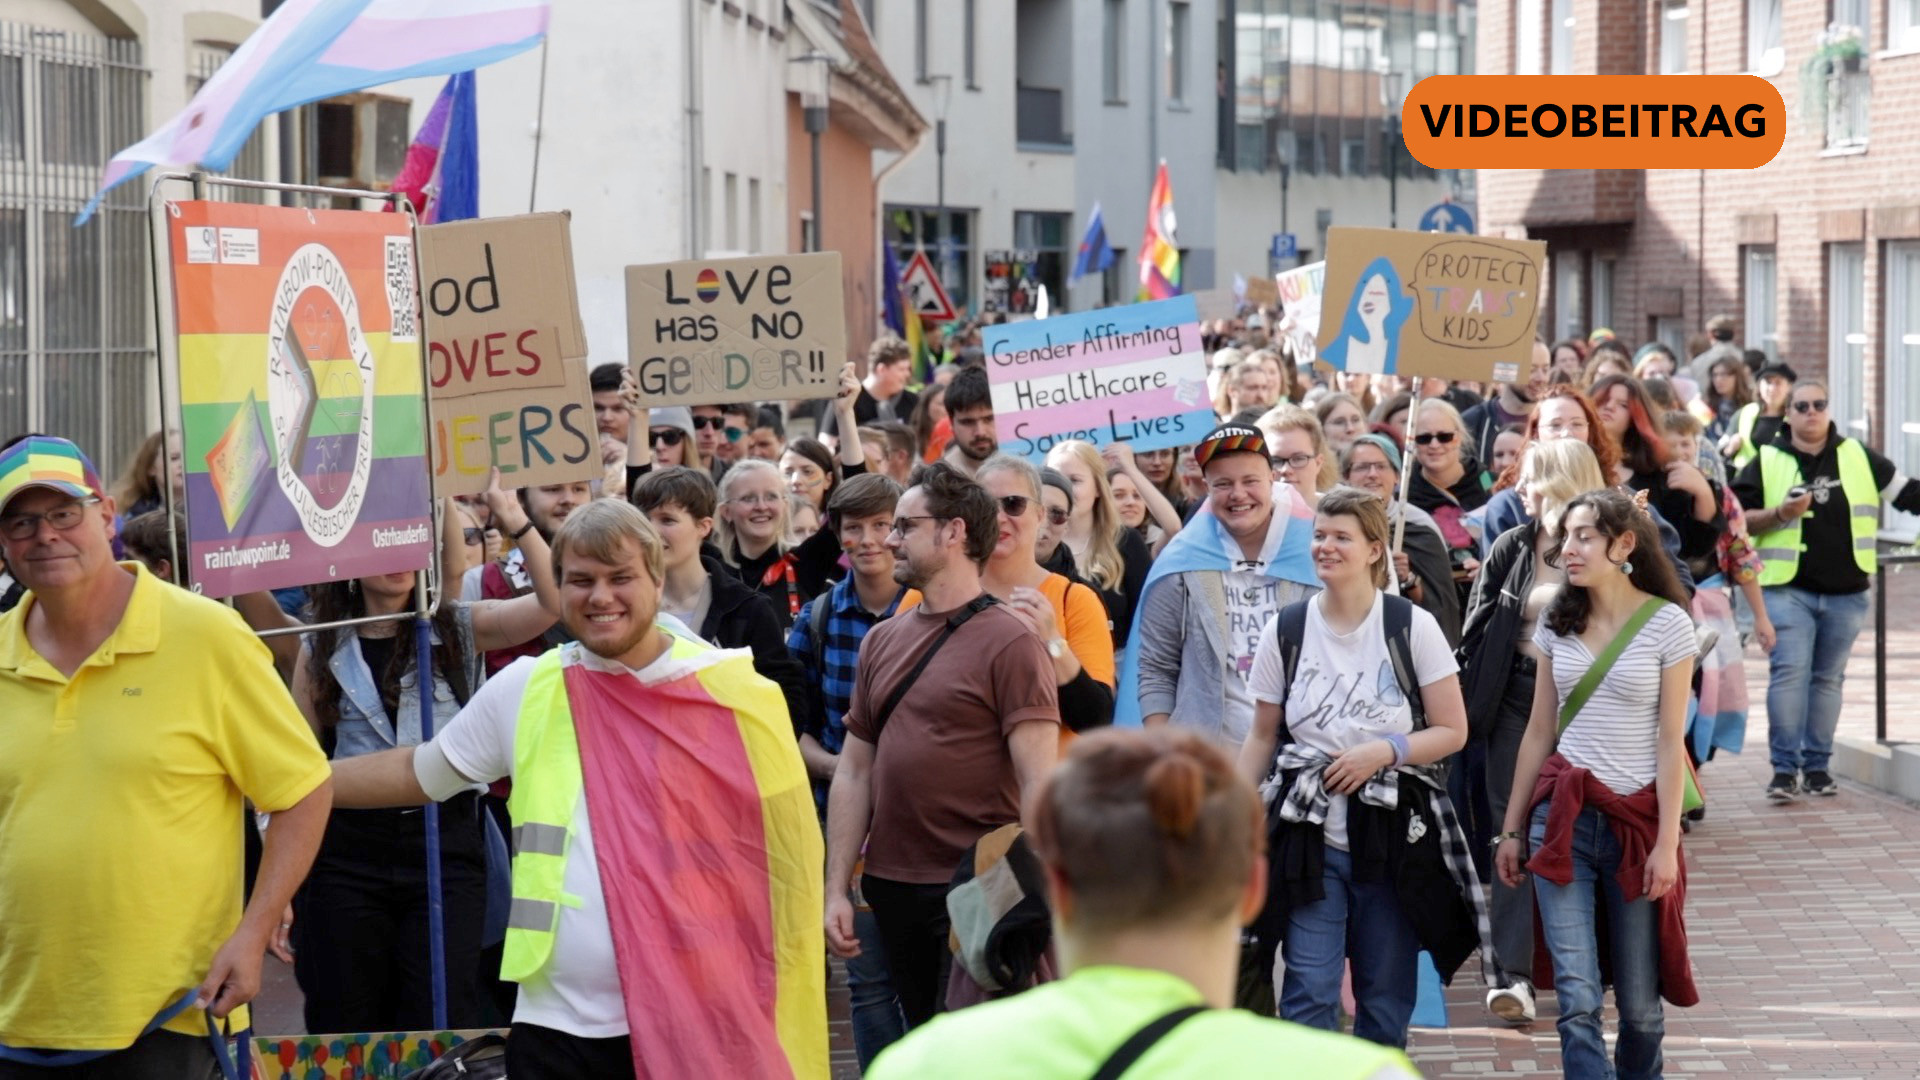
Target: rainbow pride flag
(1159,250)
(301,396)
(711,860)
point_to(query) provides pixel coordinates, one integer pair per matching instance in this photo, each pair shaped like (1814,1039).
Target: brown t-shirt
(942,774)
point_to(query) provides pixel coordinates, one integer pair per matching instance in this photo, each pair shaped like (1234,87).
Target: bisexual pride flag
(301,396)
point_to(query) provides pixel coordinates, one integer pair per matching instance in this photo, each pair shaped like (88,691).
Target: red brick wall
(851,217)
(1684,230)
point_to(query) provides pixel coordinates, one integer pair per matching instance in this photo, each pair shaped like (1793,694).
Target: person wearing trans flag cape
(1210,593)
(1243,557)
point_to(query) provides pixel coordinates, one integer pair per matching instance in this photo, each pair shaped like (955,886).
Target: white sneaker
(1514,1004)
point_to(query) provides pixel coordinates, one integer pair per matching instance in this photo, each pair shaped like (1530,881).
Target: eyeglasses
(1563,428)
(734,434)
(1816,405)
(671,436)
(1431,437)
(904,525)
(1368,468)
(472,536)
(714,422)
(1015,505)
(1058,516)
(1296,462)
(64,517)
(758,500)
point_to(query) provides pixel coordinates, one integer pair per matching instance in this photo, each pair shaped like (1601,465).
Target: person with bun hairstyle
(1152,850)
(1357,700)
(1594,812)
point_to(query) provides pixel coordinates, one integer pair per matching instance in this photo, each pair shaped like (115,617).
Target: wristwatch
(1506,836)
(1057,648)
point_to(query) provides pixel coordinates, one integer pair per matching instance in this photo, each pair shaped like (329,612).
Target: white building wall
(1249,212)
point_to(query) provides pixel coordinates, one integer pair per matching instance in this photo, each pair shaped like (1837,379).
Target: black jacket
(741,618)
(1427,557)
(1491,637)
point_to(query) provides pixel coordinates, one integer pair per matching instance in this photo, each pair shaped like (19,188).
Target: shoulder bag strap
(1289,634)
(1141,1041)
(1397,616)
(954,622)
(1604,662)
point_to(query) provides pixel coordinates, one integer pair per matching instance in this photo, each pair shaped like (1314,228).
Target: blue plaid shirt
(847,624)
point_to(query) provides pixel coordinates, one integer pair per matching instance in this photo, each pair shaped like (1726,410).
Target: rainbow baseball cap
(44,461)
(1230,439)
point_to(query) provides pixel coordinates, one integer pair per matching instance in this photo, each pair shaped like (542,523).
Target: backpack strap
(817,615)
(1397,617)
(1141,1041)
(1290,633)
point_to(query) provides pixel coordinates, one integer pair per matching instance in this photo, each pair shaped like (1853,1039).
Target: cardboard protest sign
(1214,304)
(1434,304)
(376,1055)
(710,331)
(301,397)
(1299,291)
(506,354)
(1261,292)
(1132,374)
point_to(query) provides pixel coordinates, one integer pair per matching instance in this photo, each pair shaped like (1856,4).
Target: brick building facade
(1817,253)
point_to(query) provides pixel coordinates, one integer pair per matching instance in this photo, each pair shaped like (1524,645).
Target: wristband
(1506,836)
(521,531)
(1400,751)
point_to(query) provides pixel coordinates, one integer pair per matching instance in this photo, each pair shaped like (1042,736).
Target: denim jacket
(364,725)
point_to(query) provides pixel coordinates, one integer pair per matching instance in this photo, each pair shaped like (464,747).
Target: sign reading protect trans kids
(301,396)
(1133,374)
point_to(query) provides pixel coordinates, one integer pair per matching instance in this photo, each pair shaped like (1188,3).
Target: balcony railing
(1041,116)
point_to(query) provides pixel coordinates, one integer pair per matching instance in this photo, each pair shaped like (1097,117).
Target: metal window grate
(76,357)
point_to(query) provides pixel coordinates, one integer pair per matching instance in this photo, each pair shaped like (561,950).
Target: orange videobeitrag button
(1594,122)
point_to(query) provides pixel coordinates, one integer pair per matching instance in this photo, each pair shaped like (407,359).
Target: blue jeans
(1361,921)
(1816,633)
(877,1020)
(1567,920)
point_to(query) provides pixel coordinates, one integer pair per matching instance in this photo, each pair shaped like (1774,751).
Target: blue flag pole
(436,913)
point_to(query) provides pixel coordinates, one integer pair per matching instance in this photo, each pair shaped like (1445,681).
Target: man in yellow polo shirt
(133,718)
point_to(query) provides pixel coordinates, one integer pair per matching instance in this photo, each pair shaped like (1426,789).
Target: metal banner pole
(1407,465)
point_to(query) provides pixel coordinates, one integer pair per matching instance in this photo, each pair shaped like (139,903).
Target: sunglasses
(1441,437)
(1058,516)
(472,536)
(672,436)
(714,422)
(1015,505)
(1816,405)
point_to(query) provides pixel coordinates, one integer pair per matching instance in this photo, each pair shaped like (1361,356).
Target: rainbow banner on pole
(301,398)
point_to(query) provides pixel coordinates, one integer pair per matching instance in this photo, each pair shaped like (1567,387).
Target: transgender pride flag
(314,49)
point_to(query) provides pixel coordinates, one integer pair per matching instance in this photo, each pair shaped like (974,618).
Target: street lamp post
(942,97)
(1391,99)
(816,73)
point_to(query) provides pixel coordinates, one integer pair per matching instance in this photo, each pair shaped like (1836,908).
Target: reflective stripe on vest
(546,787)
(1780,548)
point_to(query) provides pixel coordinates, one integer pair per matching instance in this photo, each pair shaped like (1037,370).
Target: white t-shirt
(1253,598)
(1616,735)
(578,991)
(1344,692)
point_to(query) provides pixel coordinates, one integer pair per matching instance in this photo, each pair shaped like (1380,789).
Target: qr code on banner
(401,300)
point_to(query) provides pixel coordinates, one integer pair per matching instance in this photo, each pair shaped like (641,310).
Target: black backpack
(1397,620)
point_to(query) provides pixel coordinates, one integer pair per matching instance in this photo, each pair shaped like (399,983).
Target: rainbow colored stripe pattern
(1159,250)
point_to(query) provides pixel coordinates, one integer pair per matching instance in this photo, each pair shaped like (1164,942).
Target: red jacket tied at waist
(1635,820)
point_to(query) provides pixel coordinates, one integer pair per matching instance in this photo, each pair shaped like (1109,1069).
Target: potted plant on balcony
(1837,50)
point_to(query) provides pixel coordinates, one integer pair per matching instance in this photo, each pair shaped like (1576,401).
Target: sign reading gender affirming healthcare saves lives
(506,354)
(1434,304)
(710,331)
(301,397)
(1134,374)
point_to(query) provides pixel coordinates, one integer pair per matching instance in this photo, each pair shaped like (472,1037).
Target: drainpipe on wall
(696,198)
(880,212)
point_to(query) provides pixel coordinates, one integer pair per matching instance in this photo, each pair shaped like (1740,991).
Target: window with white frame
(1902,350)
(1673,36)
(1766,47)
(1179,30)
(1113,50)
(1847,335)
(1560,55)
(1757,277)
(1903,24)
(1569,289)
(1602,311)
(1529,37)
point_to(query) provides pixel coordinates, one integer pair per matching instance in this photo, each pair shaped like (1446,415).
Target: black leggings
(538,1053)
(157,1055)
(913,926)
(360,921)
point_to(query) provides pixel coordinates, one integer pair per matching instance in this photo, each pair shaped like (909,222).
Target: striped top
(1617,733)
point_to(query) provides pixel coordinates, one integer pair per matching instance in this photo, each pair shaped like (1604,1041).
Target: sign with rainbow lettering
(301,403)
(1134,374)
